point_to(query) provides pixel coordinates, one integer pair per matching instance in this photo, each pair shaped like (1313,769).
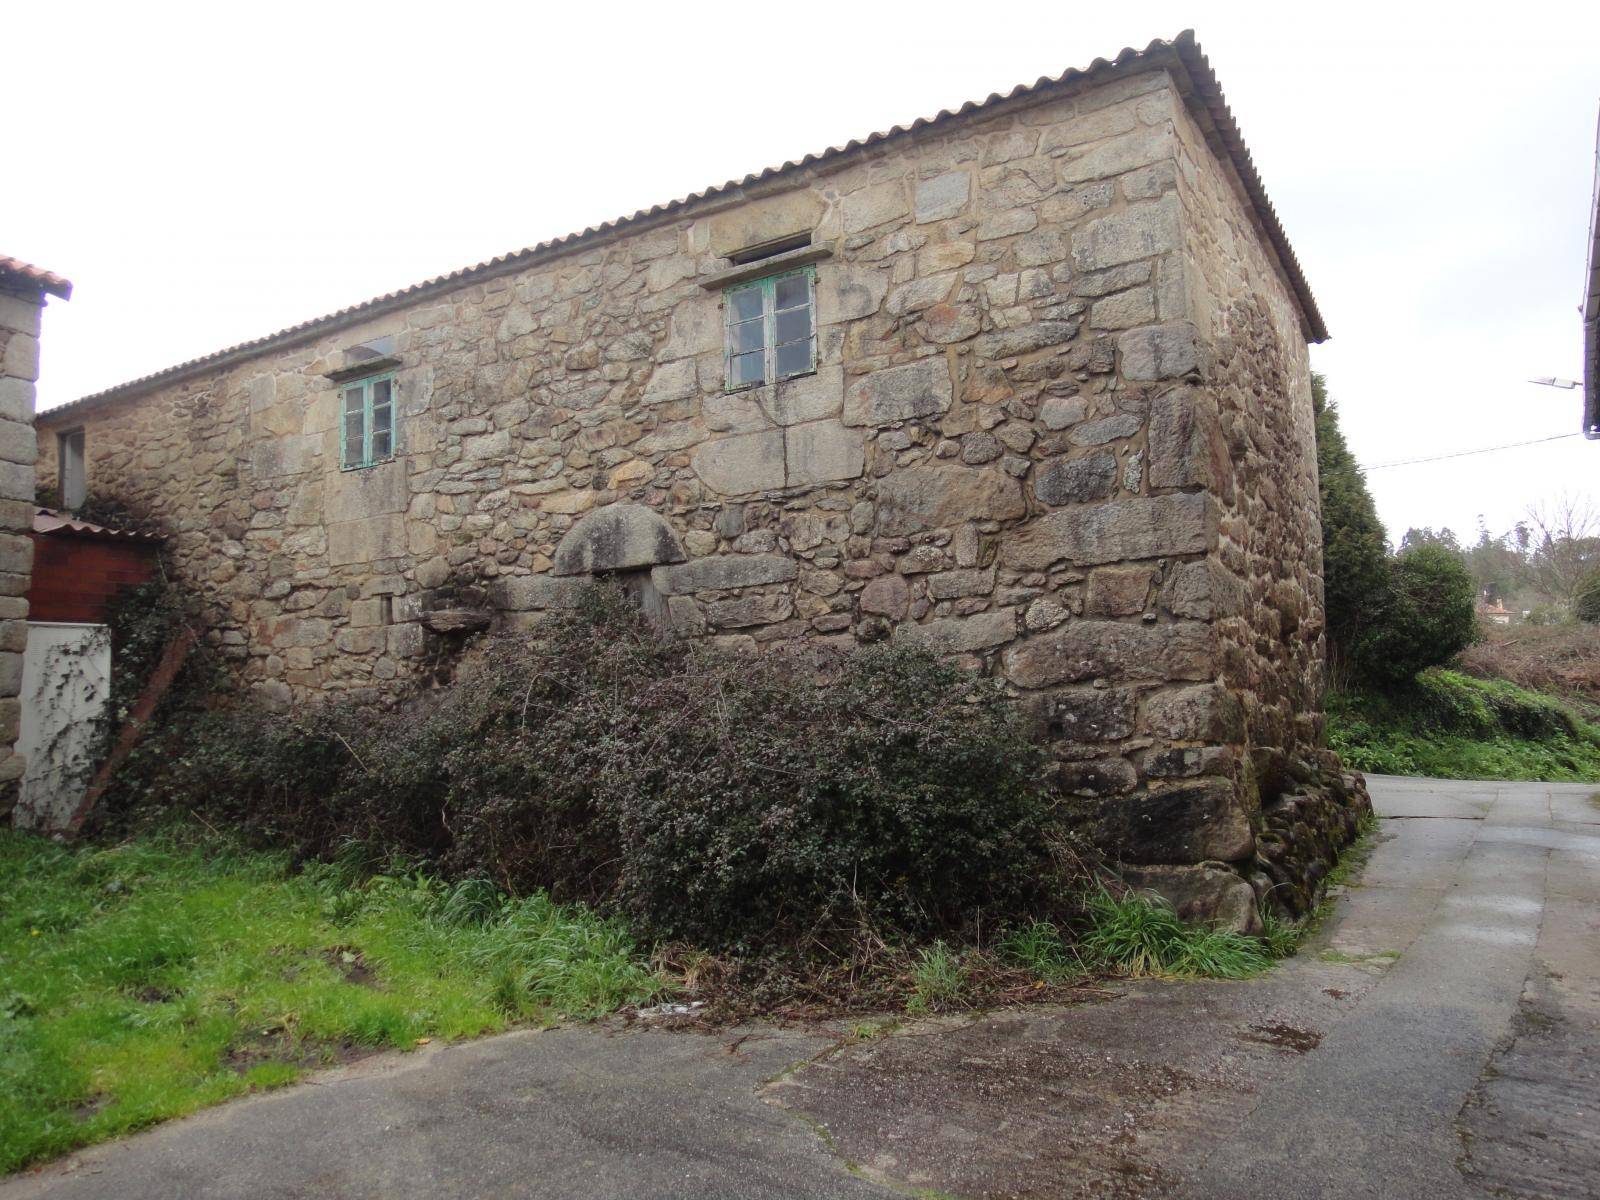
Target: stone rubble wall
(1252,431)
(1015,450)
(20,313)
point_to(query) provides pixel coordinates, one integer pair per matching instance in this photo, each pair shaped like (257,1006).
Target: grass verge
(143,981)
(1454,726)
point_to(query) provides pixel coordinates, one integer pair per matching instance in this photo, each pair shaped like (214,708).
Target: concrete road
(1439,1037)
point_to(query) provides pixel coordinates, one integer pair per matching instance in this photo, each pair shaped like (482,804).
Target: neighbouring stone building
(24,291)
(1026,382)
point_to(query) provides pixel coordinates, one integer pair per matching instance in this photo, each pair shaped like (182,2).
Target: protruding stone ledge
(762,267)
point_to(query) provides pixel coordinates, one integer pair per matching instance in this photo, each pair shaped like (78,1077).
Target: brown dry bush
(1563,659)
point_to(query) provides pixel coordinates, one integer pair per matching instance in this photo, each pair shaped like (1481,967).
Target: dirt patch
(1003,1107)
(1286,1037)
(278,1046)
(156,995)
(86,1110)
(352,964)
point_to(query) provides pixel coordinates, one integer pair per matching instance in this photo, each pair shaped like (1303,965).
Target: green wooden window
(366,427)
(772,330)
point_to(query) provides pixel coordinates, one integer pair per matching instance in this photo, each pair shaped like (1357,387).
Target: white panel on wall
(66,684)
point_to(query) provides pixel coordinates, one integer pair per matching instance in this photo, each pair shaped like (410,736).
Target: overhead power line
(1408,462)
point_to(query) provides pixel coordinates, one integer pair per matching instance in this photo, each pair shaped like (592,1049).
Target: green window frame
(366,422)
(771,329)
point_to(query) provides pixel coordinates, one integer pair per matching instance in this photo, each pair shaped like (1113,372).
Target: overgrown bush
(1423,619)
(736,802)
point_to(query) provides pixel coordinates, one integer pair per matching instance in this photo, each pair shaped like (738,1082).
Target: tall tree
(1354,570)
(1565,546)
(1444,538)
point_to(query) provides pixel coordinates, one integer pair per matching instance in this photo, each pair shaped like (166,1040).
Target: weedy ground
(145,980)
(1449,725)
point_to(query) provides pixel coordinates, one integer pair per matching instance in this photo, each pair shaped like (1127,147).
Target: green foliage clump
(1454,726)
(1354,550)
(1423,618)
(738,803)
(1040,949)
(1586,605)
(1139,934)
(938,979)
(1388,616)
(147,979)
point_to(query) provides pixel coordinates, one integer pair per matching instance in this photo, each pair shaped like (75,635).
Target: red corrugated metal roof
(48,520)
(37,277)
(1202,90)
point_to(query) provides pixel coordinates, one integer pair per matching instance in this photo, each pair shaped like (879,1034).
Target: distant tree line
(1544,566)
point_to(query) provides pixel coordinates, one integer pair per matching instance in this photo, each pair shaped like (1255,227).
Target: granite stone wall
(20,311)
(1059,428)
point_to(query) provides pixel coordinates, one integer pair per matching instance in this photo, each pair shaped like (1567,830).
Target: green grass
(143,981)
(938,979)
(1138,934)
(1039,949)
(1455,726)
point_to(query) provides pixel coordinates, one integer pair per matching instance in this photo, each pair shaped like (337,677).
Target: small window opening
(386,610)
(70,470)
(783,245)
(771,330)
(367,424)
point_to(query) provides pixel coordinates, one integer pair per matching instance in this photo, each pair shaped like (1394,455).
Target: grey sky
(207,174)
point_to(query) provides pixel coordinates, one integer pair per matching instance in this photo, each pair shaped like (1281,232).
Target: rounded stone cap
(615,538)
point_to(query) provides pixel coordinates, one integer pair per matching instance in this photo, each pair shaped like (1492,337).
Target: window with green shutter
(772,329)
(367,425)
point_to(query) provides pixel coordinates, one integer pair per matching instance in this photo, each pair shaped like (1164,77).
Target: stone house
(1026,382)
(24,292)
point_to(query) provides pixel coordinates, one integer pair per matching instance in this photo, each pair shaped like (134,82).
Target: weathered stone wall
(1035,362)
(1249,426)
(20,312)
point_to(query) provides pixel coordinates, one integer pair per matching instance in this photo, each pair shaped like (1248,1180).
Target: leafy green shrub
(1586,605)
(1424,619)
(1354,554)
(735,802)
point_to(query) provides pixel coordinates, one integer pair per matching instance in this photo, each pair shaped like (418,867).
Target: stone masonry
(23,292)
(1060,427)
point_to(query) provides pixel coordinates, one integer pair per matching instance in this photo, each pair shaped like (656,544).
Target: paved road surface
(1440,1037)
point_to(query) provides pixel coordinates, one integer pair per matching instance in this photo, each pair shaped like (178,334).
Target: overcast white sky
(207,174)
